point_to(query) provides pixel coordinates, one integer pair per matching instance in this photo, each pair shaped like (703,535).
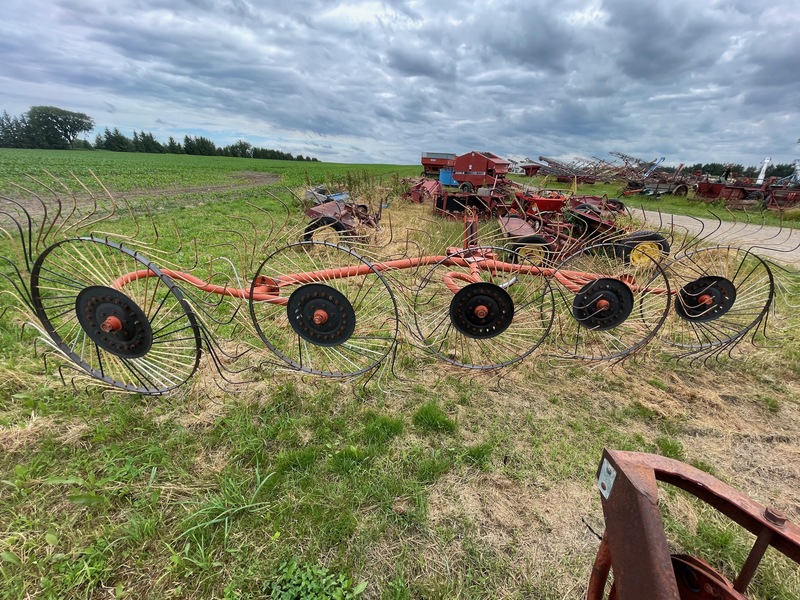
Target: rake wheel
(328,311)
(721,294)
(133,333)
(479,312)
(607,309)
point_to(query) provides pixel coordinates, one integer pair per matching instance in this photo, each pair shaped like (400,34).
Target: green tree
(199,145)
(116,141)
(137,144)
(149,143)
(240,149)
(174,147)
(14,132)
(53,127)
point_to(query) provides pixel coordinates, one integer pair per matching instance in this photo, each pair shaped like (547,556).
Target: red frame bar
(635,544)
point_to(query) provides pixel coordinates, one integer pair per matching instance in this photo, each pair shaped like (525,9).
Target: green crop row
(127,172)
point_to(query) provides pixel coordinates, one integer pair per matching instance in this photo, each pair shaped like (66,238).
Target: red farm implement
(479,169)
(326,310)
(547,225)
(468,171)
(734,195)
(771,193)
(341,218)
(124,322)
(434,162)
(453,204)
(635,546)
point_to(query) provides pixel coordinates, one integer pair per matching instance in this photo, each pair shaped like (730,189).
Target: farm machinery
(336,217)
(434,162)
(467,172)
(132,323)
(734,194)
(549,224)
(545,224)
(634,545)
(136,325)
(772,194)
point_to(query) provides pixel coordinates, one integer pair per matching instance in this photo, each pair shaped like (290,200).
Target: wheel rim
(483,313)
(481,310)
(133,333)
(114,321)
(722,294)
(705,299)
(606,309)
(602,304)
(321,314)
(326,234)
(643,253)
(359,326)
(535,253)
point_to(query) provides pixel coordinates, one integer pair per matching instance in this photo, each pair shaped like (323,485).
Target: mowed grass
(424,482)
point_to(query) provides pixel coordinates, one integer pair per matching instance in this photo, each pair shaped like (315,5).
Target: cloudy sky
(708,81)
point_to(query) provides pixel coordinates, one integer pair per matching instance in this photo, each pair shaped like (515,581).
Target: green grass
(126,172)
(425,482)
(431,418)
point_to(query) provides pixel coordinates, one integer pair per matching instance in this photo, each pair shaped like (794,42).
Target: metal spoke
(487,316)
(721,294)
(358,320)
(94,280)
(607,309)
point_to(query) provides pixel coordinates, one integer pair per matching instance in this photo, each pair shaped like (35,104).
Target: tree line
(53,128)
(739,171)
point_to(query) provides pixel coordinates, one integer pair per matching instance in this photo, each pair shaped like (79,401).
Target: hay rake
(326,309)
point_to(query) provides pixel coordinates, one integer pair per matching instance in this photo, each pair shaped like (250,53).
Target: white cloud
(384,80)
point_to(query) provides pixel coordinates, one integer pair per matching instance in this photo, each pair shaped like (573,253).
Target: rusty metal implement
(635,546)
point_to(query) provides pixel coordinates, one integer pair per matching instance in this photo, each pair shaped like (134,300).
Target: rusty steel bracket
(635,546)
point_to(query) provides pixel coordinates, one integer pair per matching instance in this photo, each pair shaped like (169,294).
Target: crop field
(424,480)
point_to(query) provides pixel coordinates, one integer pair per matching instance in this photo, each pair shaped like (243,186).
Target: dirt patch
(25,436)
(542,531)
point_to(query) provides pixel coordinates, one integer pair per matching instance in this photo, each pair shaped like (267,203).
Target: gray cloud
(385,80)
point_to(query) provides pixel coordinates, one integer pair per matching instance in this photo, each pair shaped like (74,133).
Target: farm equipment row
(324,309)
(475,170)
(547,223)
(483,183)
(773,193)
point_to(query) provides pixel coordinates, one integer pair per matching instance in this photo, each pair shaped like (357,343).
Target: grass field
(426,481)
